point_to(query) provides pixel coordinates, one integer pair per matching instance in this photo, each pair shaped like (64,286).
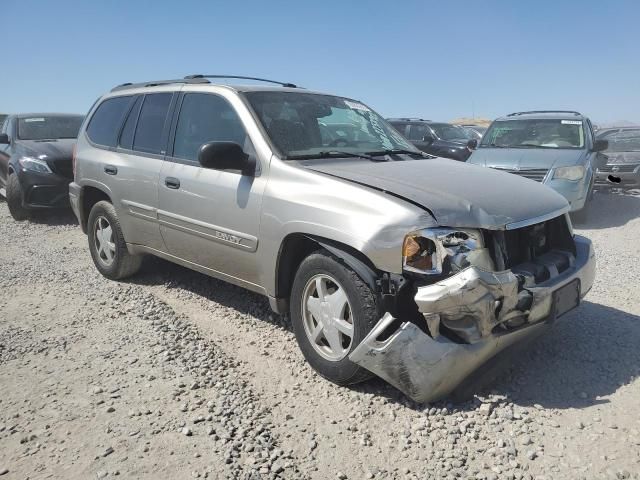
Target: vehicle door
(132,133)
(210,217)
(422,137)
(5,154)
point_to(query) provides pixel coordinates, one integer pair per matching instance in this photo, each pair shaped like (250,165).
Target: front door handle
(110,170)
(172,182)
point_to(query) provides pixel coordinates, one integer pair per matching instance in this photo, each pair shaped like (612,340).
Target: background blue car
(557,148)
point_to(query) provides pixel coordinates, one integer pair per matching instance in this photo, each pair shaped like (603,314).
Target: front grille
(510,248)
(618,168)
(536,174)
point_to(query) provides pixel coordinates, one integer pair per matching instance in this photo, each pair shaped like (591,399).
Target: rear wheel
(332,310)
(15,199)
(107,245)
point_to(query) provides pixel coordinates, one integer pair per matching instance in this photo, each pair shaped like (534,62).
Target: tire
(15,199)
(108,248)
(363,314)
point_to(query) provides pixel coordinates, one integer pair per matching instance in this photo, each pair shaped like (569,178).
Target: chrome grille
(536,174)
(618,168)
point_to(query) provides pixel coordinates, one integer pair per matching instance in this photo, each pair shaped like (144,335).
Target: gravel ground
(176,375)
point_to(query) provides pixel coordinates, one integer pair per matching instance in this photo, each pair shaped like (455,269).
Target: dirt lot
(176,375)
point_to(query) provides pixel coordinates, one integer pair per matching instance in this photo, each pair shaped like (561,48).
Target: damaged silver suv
(389,261)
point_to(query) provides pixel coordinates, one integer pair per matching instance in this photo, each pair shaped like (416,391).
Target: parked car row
(390,262)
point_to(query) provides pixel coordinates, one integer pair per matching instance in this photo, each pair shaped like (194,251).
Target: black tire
(364,315)
(122,264)
(15,199)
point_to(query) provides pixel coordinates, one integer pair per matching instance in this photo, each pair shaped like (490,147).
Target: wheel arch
(89,196)
(295,247)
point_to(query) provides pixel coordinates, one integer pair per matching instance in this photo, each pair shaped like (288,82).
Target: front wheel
(107,245)
(332,311)
(15,199)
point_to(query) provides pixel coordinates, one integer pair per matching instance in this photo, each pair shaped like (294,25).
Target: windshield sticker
(571,122)
(356,106)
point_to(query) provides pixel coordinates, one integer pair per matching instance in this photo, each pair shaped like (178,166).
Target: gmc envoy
(388,261)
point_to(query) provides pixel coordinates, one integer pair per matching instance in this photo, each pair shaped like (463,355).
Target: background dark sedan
(622,167)
(35,161)
(437,138)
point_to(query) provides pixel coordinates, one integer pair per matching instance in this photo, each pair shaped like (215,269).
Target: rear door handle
(172,182)
(110,170)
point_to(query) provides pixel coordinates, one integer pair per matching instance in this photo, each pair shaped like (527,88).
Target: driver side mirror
(472,144)
(427,138)
(226,156)
(600,145)
(4,139)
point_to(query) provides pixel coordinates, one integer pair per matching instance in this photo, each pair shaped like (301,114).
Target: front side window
(205,118)
(539,133)
(418,132)
(451,133)
(149,132)
(105,124)
(49,127)
(305,125)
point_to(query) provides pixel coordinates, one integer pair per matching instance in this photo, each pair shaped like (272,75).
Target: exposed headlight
(34,165)
(436,251)
(576,172)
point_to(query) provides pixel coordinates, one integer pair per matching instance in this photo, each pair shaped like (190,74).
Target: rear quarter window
(105,123)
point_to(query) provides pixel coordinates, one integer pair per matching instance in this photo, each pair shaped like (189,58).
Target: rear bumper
(75,192)
(428,367)
(44,190)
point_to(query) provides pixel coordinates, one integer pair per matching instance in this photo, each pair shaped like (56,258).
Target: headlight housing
(438,251)
(34,165)
(575,172)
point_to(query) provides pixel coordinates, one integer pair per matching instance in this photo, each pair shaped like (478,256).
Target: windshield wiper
(399,151)
(333,154)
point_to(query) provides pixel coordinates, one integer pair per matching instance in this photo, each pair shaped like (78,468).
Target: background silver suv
(388,261)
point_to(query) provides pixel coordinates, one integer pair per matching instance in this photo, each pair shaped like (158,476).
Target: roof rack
(155,83)
(283,84)
(573,112)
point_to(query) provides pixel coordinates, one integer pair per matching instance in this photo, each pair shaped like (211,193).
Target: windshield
(49,127)
(452,133)
(622,140)
(541,133)
(304,125)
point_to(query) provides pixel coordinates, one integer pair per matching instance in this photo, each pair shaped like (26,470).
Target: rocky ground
(176,375)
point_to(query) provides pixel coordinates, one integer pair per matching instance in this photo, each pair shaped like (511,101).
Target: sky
(436,60)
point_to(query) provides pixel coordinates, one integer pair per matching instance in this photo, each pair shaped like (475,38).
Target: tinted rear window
(126,137)
(105,124)
(149,133)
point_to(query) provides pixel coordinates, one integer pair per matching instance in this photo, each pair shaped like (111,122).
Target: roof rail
(573,112)
(154,83)
(408,119)
(283,84)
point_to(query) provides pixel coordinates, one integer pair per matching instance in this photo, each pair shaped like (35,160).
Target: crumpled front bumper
(428,367)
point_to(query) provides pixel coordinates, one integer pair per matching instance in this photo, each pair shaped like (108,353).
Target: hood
(524,158)
(457,194)
(61,149)
(623,157)
(454,143)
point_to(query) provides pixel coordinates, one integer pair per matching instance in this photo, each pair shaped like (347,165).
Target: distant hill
(471,121)
(618,123)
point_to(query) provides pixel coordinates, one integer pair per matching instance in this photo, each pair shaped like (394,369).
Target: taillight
(73,161)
